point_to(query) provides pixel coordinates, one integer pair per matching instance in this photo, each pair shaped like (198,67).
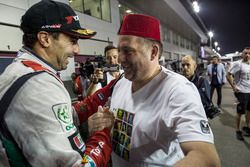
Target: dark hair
(109,47)
(29,40)
(215,56)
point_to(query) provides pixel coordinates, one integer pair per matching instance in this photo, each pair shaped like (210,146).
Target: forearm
(230,80)
(198,159)
(199,154)
(98,149)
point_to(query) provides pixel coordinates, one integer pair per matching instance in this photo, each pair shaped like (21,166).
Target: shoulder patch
(205,127)
(100,96)
(63,115)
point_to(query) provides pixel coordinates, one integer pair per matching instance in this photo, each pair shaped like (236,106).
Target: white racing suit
(42,121)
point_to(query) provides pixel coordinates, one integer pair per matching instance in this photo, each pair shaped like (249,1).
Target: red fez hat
(141,26)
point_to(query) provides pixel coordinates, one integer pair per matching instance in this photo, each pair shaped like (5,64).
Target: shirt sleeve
(235,67)
(224,79)
(187,114)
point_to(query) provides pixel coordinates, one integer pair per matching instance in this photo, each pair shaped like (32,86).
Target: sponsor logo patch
(101,96)
(62,114)
(54,26)
(78,141)
(205,127)
(70,19)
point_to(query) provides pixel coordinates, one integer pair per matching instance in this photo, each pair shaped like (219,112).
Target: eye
(183,65)
(74,41)
(127,50)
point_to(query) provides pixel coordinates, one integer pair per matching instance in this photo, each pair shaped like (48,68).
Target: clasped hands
(103,118)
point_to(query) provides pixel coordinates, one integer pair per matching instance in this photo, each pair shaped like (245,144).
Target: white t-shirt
(241,72)
(151,122)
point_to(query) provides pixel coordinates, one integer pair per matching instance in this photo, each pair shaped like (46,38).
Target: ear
(155,52)
(43,38)
(195,66)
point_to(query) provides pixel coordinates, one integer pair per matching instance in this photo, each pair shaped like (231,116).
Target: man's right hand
(235,89)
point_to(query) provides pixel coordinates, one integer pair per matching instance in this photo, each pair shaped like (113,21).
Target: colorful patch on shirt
(88,162)
(205,126)
(122,133)
(63,115)
(78,141)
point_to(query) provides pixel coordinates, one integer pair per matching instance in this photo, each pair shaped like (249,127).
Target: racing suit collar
(31,55)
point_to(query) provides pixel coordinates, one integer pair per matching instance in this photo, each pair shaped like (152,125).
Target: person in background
(73,76)
(73,79)
(217,76)
(40,122)
(82,81)
(189,67)
(241,88)
(111,58)
(159,117)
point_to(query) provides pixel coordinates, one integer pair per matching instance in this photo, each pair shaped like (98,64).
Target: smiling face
(135,58)
(61,50)
(188,66)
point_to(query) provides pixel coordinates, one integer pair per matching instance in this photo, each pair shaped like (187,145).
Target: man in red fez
(38,126)
(156,124)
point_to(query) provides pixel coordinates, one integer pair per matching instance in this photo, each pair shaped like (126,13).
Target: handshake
(102,119)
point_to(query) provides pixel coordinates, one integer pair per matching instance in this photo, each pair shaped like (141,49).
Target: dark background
(230,22)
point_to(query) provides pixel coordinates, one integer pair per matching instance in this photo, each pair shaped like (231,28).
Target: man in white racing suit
(40,117)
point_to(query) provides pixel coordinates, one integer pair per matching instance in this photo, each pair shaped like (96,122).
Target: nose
(76,48)
(184,66)
(113,60)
